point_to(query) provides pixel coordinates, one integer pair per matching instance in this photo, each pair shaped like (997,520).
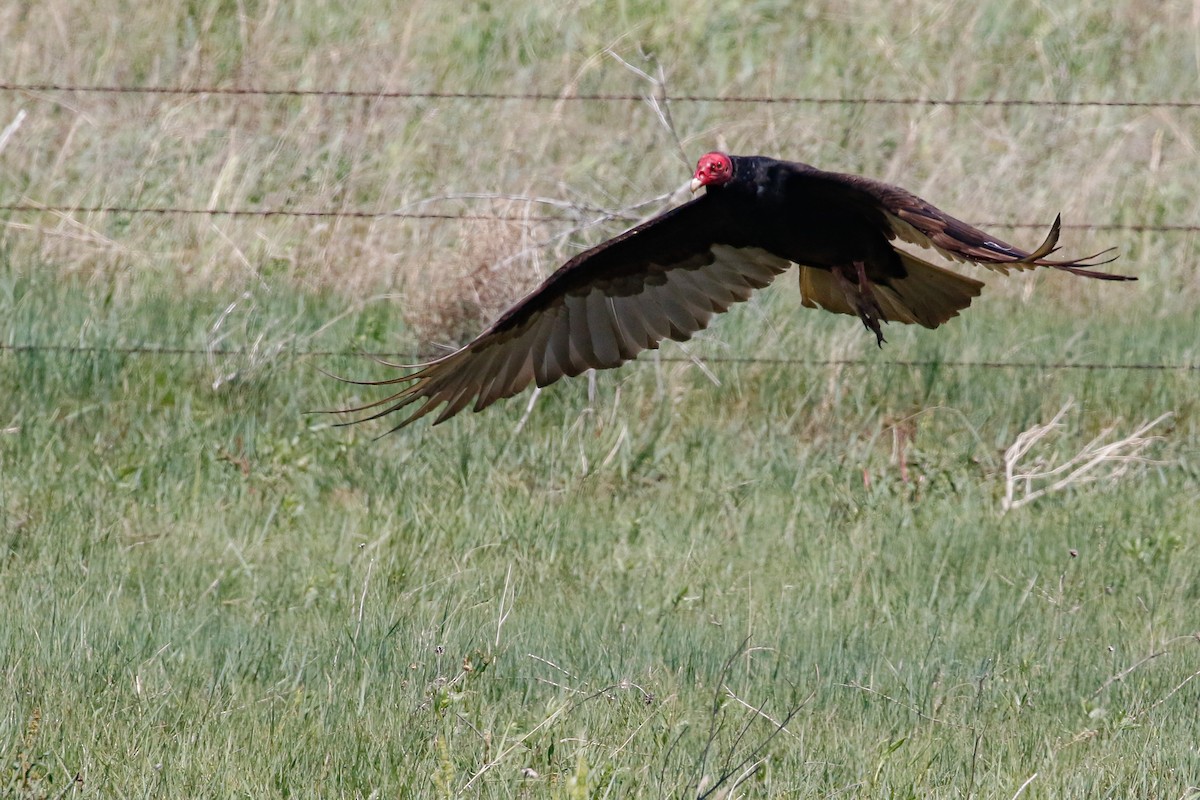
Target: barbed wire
(154,351)
(278,212)
(426,215)
(539,96)
(165,350)
(595,97)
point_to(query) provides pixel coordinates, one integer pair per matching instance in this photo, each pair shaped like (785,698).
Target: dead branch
(1098,460)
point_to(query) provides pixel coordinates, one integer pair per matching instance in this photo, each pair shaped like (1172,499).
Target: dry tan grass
(493,266)
(1106,458)
(377,155)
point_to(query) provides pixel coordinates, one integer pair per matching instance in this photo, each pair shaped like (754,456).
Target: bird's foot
(872,324)
(860,294)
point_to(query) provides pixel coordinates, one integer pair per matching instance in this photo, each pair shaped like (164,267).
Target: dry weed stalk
(255,349)
(499,261)
(1098,460)
(10,130)
(494,266)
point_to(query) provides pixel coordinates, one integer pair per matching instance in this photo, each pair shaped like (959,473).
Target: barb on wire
(268,212)
(594,97)
(154,350)
(26,208)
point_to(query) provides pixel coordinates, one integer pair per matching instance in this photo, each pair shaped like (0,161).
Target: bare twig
(730,694)
(1098,460)
(551,664)
(1194,637)
(11,129)
(566,205)
(251,357)
(902,704)
(616,448)
(659,102)
(1024,785)
(1125,672)
(740,779)
(753,754)
(700,365)
(715,725)
(1089,733)
(654,713)
(507,595)
(362,600)
(1168,695)
(518,743)
(570,705)
(752,760)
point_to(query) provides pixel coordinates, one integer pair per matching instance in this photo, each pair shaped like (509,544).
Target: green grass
(208,592)
(211,593)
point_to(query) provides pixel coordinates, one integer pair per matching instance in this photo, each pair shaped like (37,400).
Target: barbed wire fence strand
(421,94)
(388,94)
(534,96)
(26,208)
(153,351)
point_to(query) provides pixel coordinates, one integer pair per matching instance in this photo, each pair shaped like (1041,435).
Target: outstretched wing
(664,279)
(914,220)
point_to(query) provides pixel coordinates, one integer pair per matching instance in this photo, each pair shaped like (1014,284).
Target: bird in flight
(667,278)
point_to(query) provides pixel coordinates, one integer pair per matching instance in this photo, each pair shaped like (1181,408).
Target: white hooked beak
(695,185)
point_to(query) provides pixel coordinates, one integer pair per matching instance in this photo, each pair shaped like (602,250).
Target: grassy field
(628,592)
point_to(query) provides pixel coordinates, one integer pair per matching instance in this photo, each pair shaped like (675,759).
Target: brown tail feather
(929,295)
(1076,266)
(932,294)
(1077,269)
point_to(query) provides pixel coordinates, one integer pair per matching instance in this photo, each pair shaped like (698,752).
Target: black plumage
(666,278)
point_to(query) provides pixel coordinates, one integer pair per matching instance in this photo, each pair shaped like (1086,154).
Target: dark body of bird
(666,278)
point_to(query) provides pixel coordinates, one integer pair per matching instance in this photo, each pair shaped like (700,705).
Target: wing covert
(664,279)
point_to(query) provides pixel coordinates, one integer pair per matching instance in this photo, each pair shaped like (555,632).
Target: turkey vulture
(666,278)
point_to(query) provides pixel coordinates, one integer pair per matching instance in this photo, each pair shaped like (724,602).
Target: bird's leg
(867,290)
(860,294)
